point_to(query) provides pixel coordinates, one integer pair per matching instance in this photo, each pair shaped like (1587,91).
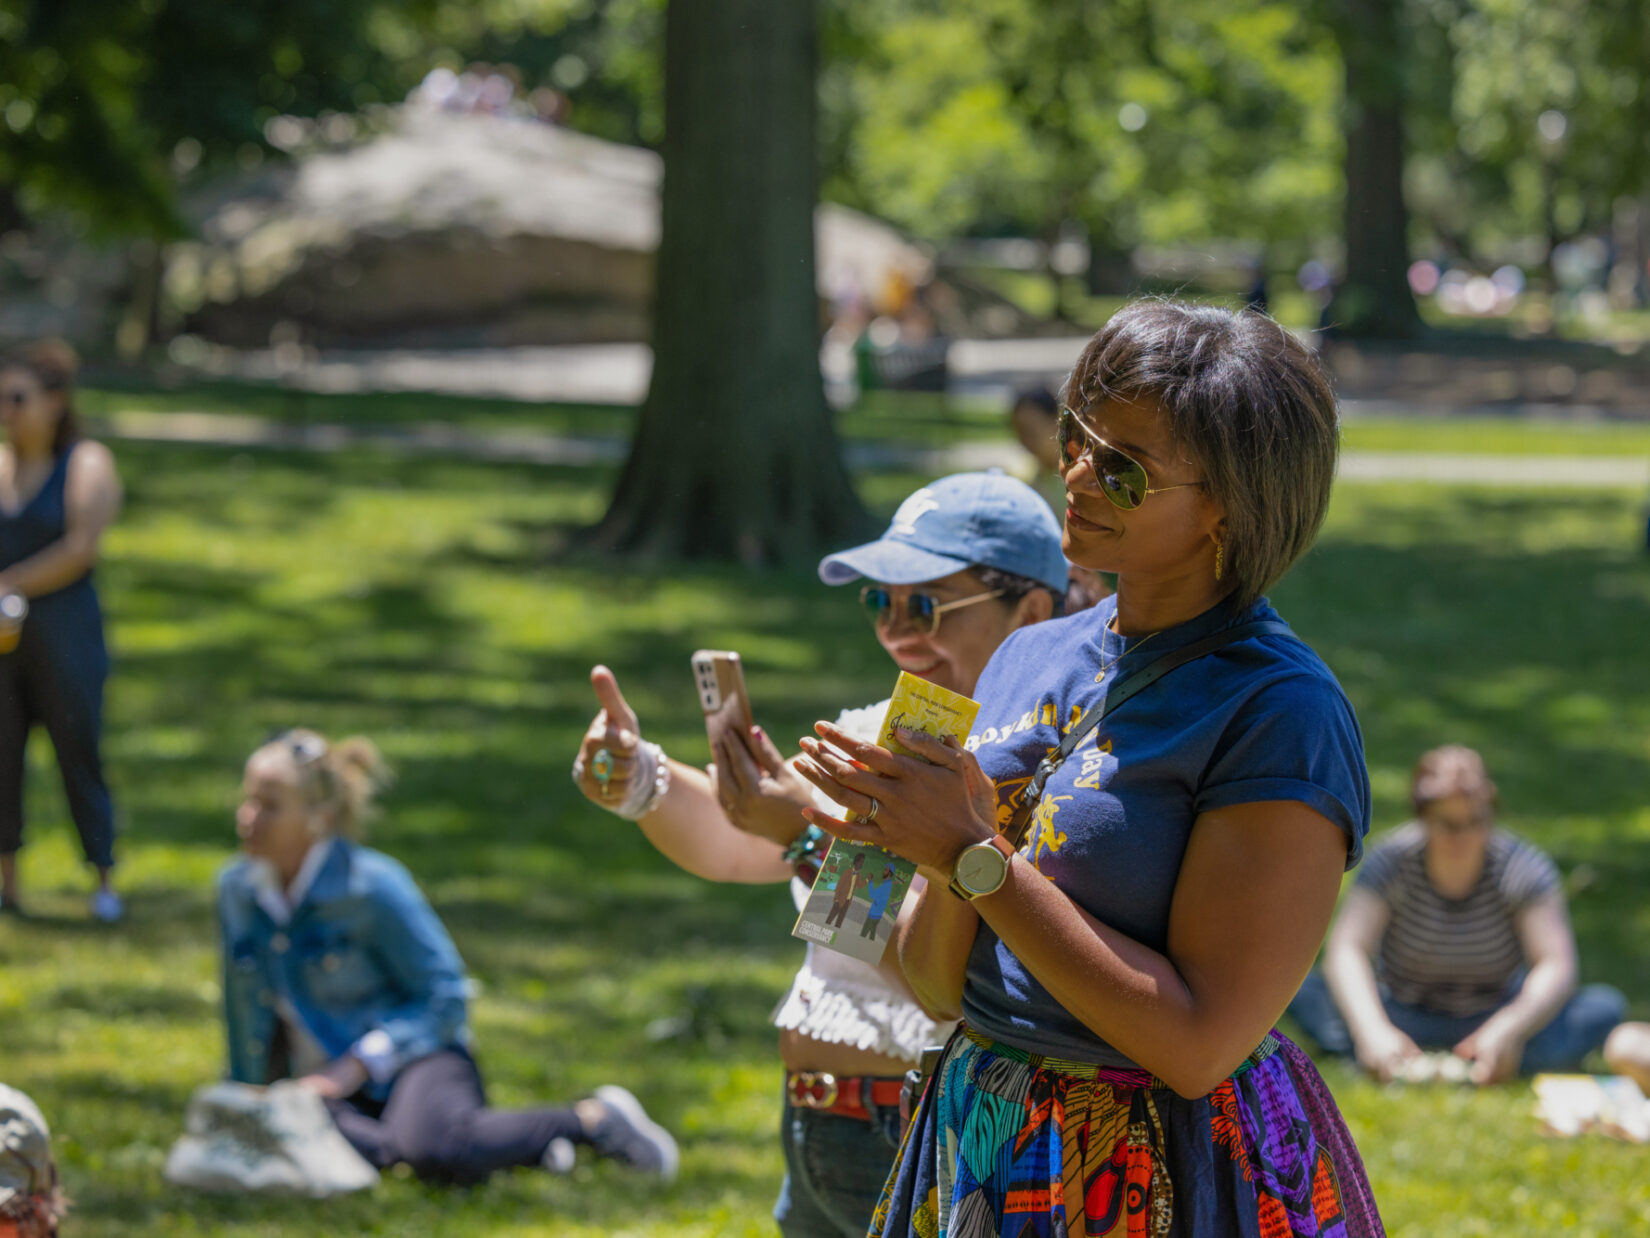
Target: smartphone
(720,680)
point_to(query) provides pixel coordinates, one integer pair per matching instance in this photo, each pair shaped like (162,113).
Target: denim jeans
(835,1167)
(1574,1032)
(436,1120)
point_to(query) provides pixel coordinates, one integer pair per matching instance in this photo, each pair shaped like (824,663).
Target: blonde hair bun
(344,777)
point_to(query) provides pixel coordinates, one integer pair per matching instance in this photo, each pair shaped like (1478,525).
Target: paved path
(542,447)
(988,371)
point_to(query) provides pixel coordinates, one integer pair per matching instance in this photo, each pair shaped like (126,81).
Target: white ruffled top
(840,1000)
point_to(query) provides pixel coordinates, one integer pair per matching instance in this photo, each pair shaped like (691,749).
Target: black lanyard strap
(1120,691)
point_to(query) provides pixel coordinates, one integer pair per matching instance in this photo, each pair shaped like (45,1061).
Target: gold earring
(1220,560)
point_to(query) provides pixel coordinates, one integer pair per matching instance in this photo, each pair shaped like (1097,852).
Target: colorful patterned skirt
(1008,1144)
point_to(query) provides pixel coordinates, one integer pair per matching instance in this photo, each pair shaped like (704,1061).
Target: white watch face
(981,869)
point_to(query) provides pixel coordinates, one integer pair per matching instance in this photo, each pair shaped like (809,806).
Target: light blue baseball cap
(990,519)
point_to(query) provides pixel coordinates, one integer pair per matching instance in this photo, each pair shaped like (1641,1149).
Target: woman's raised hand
(756,787)
(924,810)
(613,732)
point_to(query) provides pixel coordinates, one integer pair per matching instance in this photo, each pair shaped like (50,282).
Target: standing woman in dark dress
(58,492)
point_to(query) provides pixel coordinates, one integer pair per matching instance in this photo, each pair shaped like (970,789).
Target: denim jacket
(363,962)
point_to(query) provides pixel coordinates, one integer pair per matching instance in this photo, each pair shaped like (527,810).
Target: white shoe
(559,1157)
(626,1134)
(107,907)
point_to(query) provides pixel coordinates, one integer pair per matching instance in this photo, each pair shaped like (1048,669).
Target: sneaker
(625,1133)
(11,907)
(107,907)
(558,1158)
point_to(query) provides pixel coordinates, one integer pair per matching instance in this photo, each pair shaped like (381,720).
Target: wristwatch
(982,868)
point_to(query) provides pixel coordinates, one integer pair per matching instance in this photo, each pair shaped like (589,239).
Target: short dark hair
(53,364)
(1013,586)
(1247,400)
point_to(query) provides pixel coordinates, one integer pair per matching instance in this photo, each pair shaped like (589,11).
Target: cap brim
(893,563)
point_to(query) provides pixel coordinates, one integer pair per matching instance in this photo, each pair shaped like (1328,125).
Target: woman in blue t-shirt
(1119,970)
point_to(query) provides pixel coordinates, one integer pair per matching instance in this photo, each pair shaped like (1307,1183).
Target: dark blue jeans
(55,678)
(1575,1031)
(835,1167)
(437,1121)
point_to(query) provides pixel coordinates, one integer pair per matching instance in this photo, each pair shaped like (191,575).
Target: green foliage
(1144,123)
(606,55)
(105,105)
(1483,167)
(111,96)
(70,77)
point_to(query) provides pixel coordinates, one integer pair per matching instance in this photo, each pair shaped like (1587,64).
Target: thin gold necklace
(1105,665)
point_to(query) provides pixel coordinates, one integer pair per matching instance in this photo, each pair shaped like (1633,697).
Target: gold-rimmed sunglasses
(1121,476)
(922,610)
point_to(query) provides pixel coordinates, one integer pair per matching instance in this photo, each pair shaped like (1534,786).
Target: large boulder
(466,230)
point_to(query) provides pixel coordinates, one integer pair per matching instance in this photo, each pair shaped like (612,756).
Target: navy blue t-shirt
(1259,719)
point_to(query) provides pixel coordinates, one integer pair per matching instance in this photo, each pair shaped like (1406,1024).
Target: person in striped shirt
(1455,937)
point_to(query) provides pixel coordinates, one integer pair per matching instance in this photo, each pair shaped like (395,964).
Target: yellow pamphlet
(860,888)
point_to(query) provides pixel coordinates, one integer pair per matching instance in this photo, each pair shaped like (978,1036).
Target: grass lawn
(413,600)
(906,417)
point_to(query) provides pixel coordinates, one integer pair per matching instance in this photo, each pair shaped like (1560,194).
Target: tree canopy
(1140,123)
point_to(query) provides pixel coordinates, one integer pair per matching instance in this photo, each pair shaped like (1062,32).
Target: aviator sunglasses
(1121,476)
(923,612)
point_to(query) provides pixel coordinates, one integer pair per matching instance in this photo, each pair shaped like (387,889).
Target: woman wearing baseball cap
(1183,783)
(966,561)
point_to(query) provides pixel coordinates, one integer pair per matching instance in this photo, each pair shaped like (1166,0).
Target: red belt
(806,1089)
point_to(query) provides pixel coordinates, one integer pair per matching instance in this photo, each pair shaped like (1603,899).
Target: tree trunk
(1374,300)
(11,215)
(735,455)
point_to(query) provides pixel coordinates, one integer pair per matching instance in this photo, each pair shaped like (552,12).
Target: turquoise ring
(601,768)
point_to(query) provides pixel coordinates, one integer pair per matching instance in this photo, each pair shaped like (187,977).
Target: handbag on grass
(278,1138)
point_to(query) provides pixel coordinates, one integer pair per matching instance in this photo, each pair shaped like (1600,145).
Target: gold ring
(872,815)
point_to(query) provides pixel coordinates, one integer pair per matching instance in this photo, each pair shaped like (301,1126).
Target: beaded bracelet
(803,853)
(661,785)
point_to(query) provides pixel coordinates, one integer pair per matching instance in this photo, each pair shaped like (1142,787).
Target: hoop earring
(1220,560)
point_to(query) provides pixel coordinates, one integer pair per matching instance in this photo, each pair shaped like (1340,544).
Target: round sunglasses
(1121,476)
(922,611)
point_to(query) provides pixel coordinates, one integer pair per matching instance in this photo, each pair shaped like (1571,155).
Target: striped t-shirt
(1456,956)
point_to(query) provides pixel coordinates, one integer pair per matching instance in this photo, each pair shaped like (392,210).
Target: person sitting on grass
(1455,937)
(337,973)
